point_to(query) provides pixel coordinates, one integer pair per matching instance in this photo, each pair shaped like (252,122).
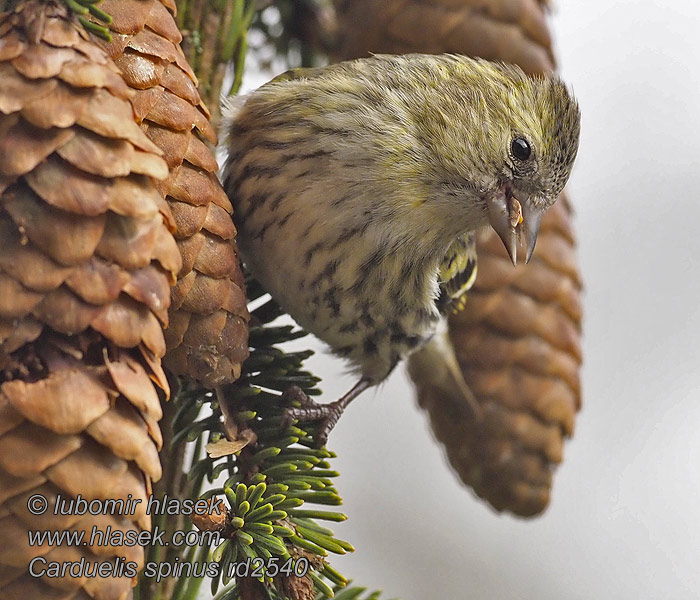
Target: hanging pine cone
(86,264)
(518,339)
(208,334)
(512,31)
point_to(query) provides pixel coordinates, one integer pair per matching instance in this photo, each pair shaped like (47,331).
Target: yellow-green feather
(457,274)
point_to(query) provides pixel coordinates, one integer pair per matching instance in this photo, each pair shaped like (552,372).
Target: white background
(624,521)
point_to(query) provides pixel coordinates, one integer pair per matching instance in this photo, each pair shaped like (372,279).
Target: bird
(359,189)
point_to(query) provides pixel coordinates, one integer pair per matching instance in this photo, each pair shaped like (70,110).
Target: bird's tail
(436,365)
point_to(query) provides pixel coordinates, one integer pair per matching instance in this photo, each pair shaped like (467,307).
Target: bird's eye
(520,148)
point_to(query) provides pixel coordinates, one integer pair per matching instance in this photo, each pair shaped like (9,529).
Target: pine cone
(512,31)
(86,264)
(208,334)
(518,339)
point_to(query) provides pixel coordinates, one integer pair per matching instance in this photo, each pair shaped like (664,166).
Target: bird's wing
(457,273)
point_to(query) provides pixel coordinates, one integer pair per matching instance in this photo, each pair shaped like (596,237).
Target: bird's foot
(327,415)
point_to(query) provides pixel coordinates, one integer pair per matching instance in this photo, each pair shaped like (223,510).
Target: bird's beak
(509,217)
(532,217)
(499,206)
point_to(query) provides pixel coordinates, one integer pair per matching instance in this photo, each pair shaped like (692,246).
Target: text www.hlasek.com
(117,537)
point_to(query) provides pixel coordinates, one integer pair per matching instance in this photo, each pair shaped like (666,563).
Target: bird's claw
(295,394)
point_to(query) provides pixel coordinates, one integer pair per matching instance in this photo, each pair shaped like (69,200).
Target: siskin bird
(359,188)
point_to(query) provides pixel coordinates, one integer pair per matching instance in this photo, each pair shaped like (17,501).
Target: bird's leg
(326,414)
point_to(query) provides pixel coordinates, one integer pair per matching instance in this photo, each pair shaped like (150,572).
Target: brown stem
(209,56)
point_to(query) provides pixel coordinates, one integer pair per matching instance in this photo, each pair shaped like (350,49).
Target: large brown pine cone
(518,341)
(512,31)
(208,334)
(86,262)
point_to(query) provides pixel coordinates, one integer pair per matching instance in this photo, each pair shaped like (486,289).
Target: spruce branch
(277,485)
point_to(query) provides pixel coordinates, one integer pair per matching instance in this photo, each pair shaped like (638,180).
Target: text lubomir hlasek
(154,506)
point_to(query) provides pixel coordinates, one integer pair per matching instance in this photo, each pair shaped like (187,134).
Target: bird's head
(512,145)
(536,145)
